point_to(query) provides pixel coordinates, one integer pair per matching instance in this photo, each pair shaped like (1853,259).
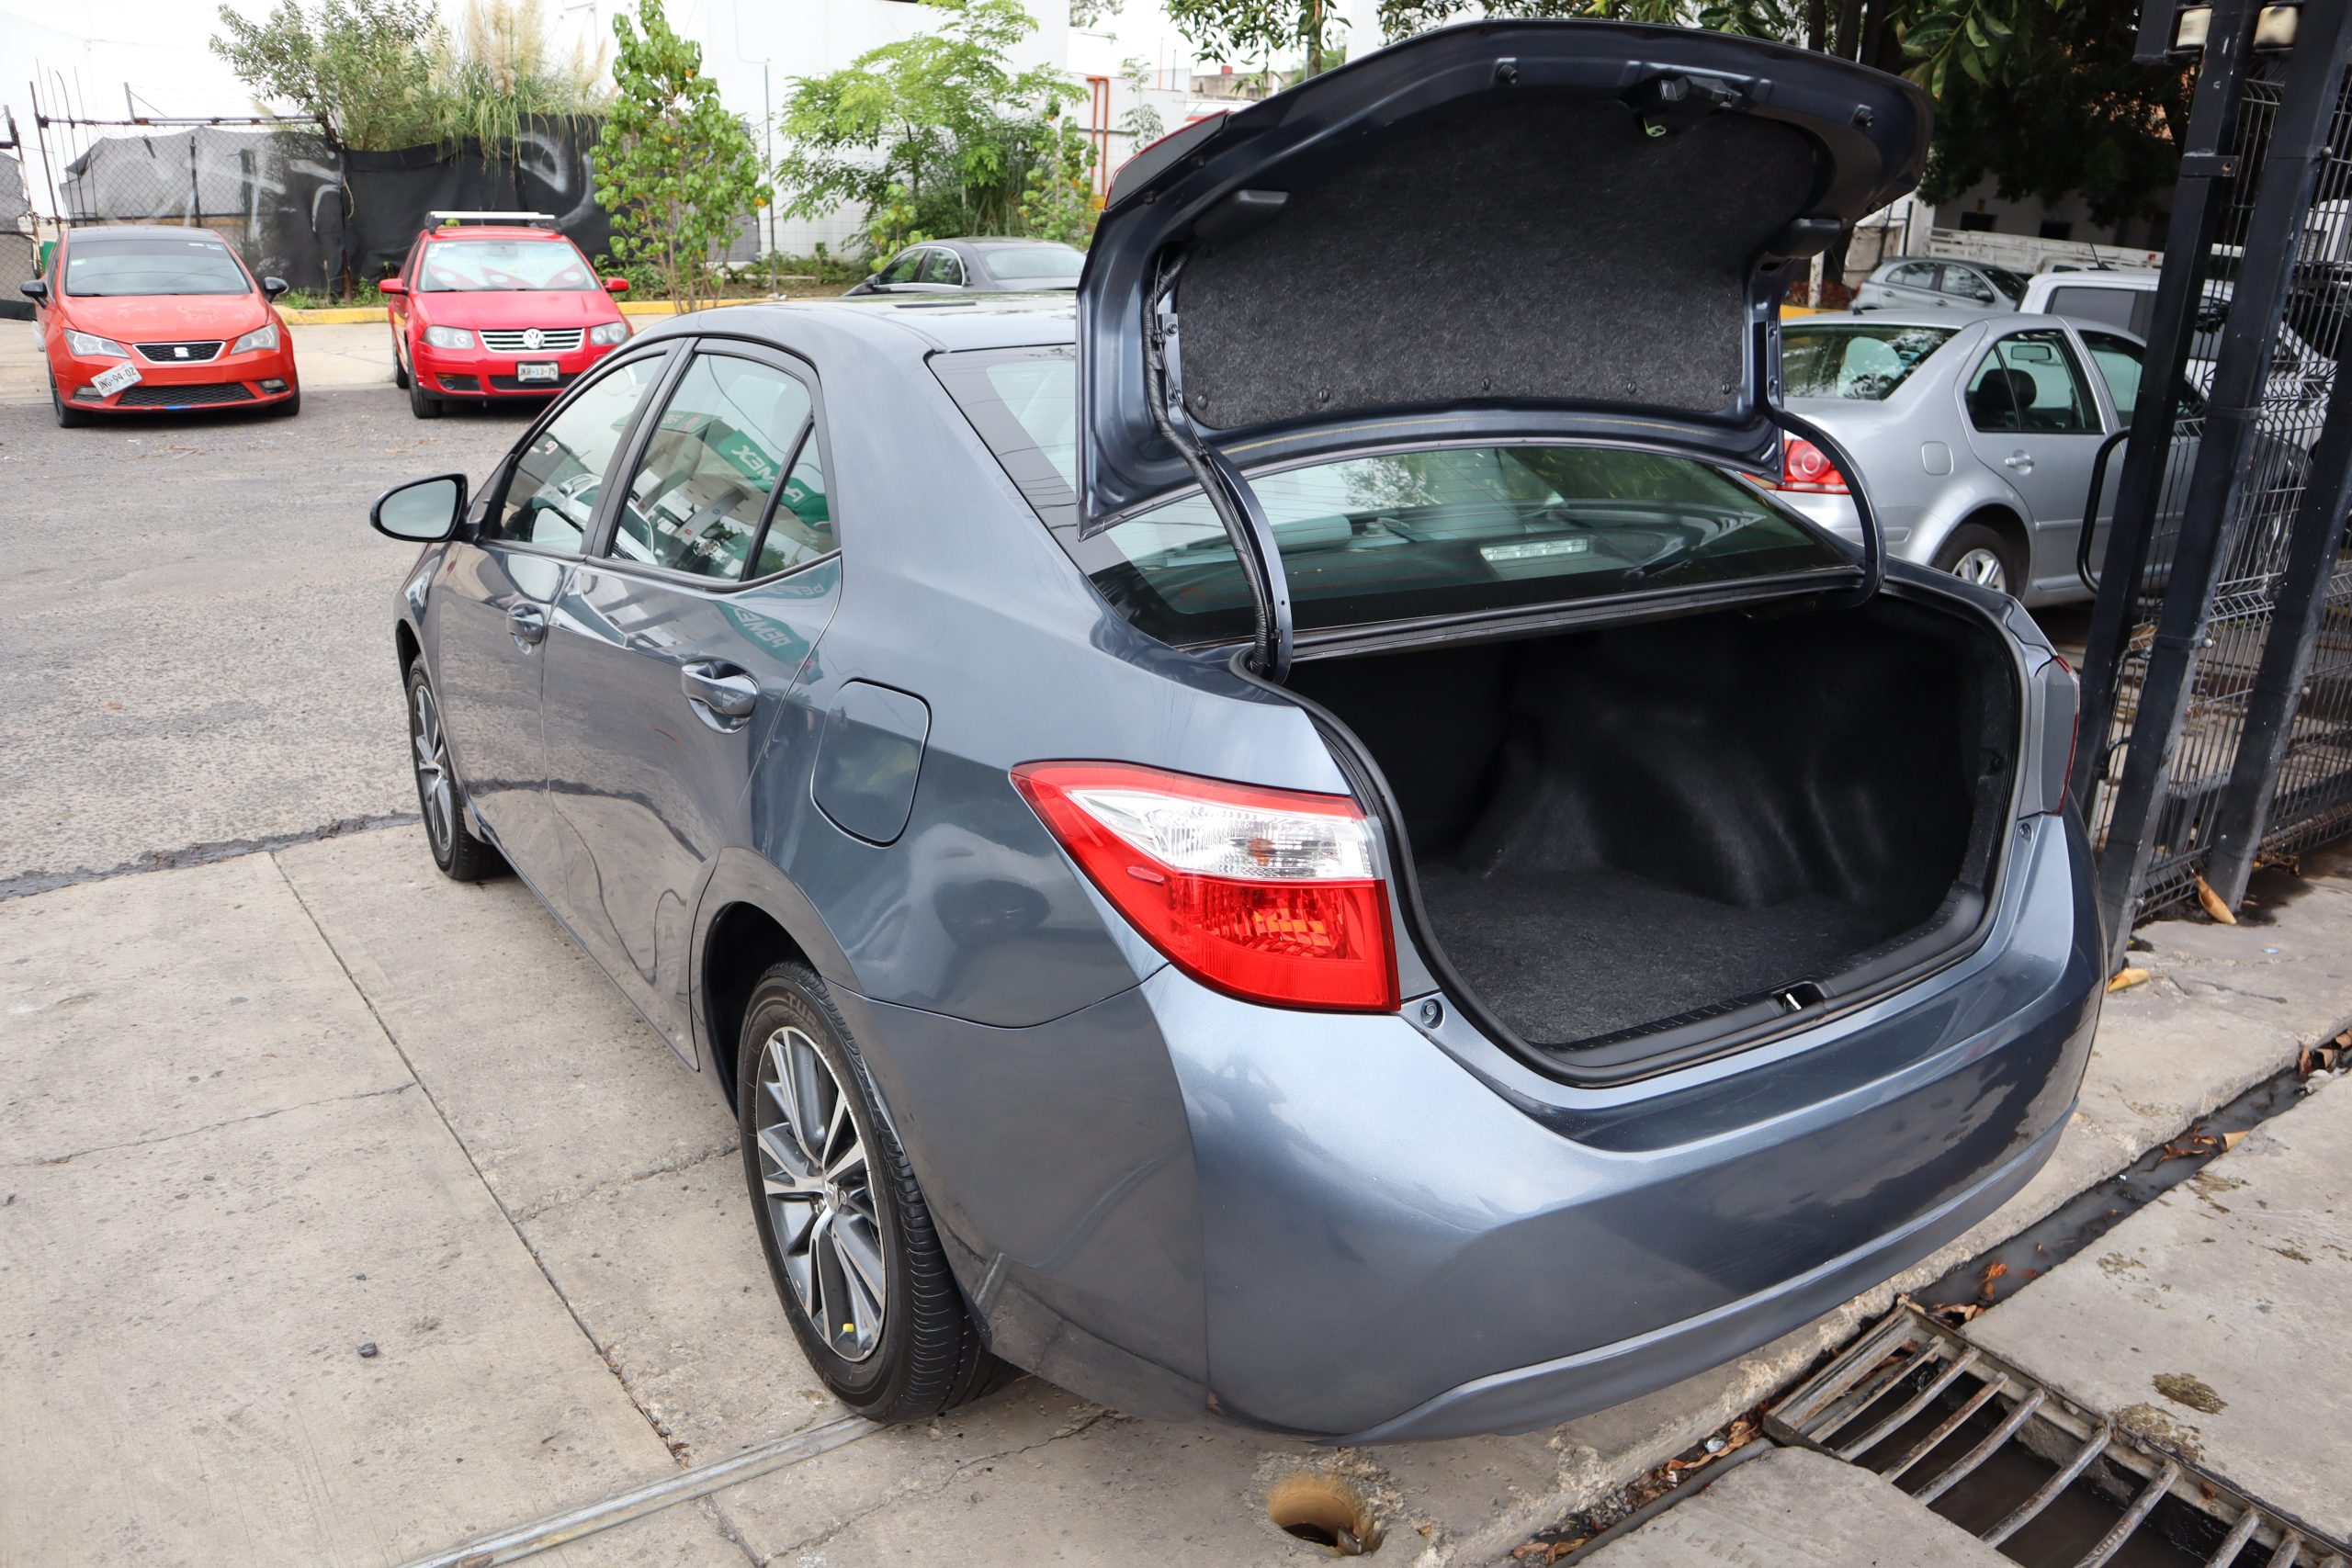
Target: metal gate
(2217,691)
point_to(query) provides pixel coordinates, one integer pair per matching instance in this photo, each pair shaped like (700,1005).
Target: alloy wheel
(820,1195)
(1982,567)
(433,786)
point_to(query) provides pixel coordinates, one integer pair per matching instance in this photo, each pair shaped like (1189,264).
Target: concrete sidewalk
(235,1090)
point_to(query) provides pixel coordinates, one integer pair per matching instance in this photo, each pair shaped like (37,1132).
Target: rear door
(673,647)
(494,599)
(2033,419)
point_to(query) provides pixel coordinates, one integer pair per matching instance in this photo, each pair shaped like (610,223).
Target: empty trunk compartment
(1636,840)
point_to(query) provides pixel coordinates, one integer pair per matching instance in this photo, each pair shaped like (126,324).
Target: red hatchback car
(495,305)
(146,319)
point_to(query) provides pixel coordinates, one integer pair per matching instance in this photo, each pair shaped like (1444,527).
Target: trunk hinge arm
(1873,542)
(1228,493)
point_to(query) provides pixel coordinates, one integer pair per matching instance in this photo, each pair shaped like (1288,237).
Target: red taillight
(1803,466)
(1269,895)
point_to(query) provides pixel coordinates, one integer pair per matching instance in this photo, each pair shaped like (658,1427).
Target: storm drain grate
(1911,1391)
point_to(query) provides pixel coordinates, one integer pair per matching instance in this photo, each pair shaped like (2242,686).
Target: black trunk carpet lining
(1565,956)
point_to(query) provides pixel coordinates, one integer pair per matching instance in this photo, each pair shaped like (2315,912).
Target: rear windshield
(1044,266)
(100,266)
(478,266)
(1385,537)
(1865,361)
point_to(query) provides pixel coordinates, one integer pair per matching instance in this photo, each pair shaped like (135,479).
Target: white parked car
(1939,283)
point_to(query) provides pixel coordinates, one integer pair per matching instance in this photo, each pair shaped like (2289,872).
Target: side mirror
(391,286)
(422,512)
(33,288)
(273,286)
(616,286)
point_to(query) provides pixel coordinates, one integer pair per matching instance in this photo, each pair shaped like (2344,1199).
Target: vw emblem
(533,338)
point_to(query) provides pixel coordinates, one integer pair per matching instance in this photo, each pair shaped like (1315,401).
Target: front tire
(461,856)
(421,403)
(399,368)
(1977,554)
(68,416)
(848,1237)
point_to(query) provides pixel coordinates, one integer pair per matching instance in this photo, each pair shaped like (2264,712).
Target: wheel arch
(1998,515)
(755,919)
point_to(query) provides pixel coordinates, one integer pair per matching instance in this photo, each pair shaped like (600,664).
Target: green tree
(938,135)
(1242,30)
(674,168)
(364,67)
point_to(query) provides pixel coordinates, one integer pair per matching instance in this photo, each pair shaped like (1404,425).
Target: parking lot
(351,1215)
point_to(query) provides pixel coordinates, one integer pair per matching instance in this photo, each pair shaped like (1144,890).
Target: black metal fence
(2218,683)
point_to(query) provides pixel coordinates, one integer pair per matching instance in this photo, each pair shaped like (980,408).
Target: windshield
(1853,361)
(477,266)
(2009,283)
(1041,266)
(1398,535)
(101,267)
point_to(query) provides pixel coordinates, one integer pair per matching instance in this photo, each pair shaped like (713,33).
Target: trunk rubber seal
(1557,1062)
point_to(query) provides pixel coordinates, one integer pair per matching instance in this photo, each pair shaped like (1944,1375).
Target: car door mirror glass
(423,511)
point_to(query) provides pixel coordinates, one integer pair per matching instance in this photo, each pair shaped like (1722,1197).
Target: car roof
(493,231)
(944,323)
(1954,316)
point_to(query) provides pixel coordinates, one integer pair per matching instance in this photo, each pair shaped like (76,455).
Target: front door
(2032,420)
(496,601)
(672,648)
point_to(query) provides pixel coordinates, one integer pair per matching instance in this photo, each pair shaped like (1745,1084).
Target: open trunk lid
(1526,231)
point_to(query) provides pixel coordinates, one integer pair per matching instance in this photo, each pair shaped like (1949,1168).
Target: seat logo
(180,352)
(533,338)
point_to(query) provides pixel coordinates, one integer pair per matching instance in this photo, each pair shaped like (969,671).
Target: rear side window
(1382,538)
(1865,362)
(551,495)
(702,488)
(940,266)
(2112,306)
(2030,382)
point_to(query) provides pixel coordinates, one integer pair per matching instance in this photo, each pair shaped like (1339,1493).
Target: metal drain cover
(1911,1369)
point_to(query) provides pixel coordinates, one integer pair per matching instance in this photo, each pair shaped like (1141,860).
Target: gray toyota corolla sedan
(1294,840)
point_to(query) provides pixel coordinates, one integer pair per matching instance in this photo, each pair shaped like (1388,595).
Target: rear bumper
(1353,1226)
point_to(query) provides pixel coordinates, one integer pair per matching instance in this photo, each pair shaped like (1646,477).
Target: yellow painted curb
(333,315)
(1802,311)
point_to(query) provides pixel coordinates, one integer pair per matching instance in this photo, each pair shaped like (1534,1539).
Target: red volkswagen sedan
(143,320)
(491,305)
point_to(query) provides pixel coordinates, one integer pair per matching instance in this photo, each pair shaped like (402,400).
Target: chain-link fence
(19,245)
(2218,687)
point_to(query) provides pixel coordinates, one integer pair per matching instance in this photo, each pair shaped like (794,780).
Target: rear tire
(904,1348)
(461,856)
(421,403)
(68,416)
(1977,554)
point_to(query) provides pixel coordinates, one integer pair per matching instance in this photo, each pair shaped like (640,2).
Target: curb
(354,315)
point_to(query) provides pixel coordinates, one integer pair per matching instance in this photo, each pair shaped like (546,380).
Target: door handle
(527,623)
(2021,461)
(721,688)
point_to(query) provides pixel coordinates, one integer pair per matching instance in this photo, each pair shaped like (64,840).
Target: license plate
(109,382)
(540,372)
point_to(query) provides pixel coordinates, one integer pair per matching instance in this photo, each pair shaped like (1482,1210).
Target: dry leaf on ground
(2211,902)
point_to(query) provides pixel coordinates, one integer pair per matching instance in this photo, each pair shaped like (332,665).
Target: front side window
(903,270)
(701,490)
(551,495)
(1382,538)
(1966,285)
(98,267)
(494,267)
(2029,383)
(1864,361)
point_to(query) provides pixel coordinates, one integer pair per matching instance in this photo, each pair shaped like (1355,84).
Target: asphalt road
(194,627)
